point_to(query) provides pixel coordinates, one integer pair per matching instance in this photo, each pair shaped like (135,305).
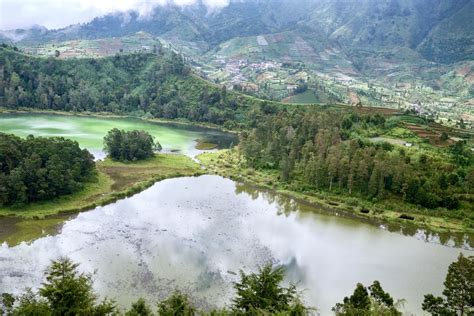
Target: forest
(157,85)
(67,291)
(130,146)
(324,151)
(38,168)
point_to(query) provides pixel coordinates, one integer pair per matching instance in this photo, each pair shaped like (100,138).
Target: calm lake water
(194,234)
(90,131)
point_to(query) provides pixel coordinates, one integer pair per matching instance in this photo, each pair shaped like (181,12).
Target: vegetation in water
(130,145)
(38,169)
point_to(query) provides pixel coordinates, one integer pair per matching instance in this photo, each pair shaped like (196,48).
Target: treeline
(130,145)
(38,168)
(69,292)
(66,291)
(321,150)
(159,85)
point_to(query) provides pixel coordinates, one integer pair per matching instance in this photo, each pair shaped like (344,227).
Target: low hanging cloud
(55,14)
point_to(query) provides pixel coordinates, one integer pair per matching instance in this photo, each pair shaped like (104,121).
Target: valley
(237,158)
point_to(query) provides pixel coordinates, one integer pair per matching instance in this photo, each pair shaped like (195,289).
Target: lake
(194,234)
(90,131)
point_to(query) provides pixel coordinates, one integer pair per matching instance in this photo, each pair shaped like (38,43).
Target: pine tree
(69,292)
(458,291)
(139,308)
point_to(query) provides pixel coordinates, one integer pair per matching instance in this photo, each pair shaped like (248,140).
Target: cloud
(60,13)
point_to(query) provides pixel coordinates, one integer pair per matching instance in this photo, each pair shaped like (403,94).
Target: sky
(60,13)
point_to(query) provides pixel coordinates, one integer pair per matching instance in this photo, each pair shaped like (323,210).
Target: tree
(6,303)
(130,146)
(444,136)
(469,181)
(177,304)
(69,292)
(261,292)
(139,308)
(65,292)
(39,168)
(285,168)
(30,304)
(361,303)
(458,291)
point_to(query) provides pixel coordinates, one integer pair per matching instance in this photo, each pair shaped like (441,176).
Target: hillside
(366,24)
(401,54)
(158,85)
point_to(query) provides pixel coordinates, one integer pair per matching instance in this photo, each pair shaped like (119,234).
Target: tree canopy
(158,85)
(39,168)
(65,292)
(361,303)
(130,145)
(322,151)
(458,292)
(260,293)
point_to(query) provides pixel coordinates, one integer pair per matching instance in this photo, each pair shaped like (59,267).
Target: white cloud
(61,13)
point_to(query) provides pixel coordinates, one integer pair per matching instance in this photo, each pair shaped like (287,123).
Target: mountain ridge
(417,25)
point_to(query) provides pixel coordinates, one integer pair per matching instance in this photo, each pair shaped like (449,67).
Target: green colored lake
(90,131)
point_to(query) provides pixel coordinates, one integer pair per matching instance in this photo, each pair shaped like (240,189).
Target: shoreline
(115,181)
(217,164)
(362,210)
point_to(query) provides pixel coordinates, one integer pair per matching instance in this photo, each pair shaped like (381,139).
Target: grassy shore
(226,163)
(114,181)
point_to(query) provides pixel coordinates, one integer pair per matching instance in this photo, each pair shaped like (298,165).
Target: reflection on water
(196,233)
(287,205)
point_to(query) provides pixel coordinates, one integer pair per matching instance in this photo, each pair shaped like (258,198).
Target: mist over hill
(439,30)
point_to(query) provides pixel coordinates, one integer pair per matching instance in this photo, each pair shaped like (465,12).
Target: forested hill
(158,84)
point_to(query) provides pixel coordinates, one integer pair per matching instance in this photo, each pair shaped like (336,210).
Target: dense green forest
(66,291)
(38,168)
(158,84)
(323,150)
(130,146)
